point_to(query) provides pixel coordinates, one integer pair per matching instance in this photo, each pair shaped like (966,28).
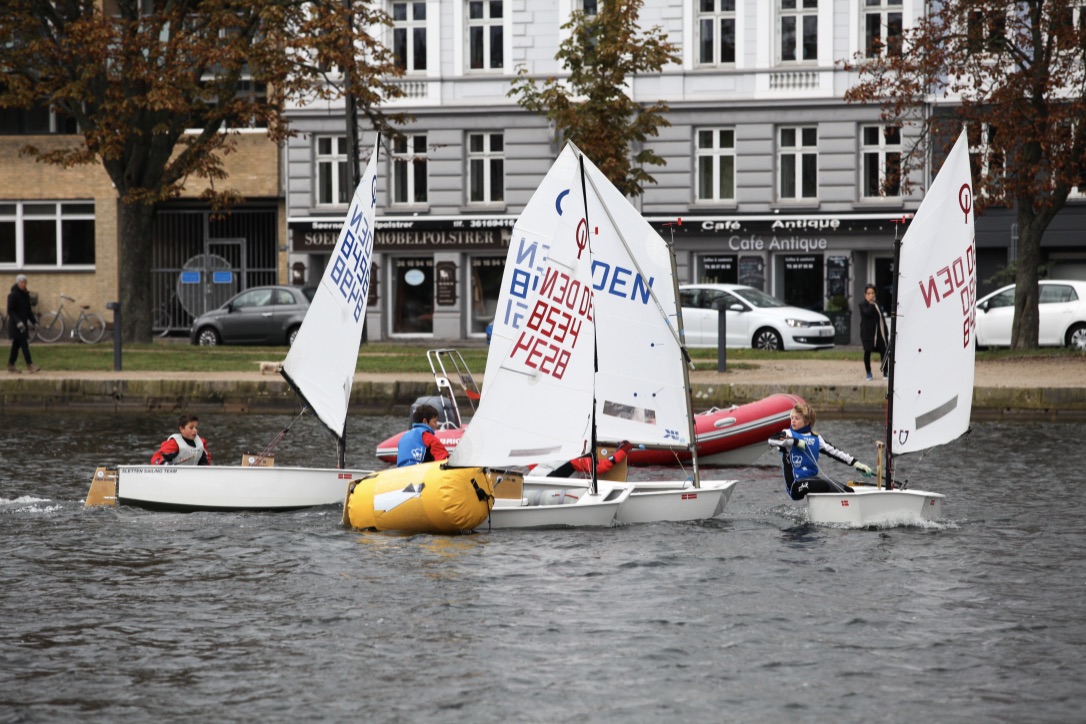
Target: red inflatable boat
(726,436)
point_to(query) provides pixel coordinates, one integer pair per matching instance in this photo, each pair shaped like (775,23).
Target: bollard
(721,337)
(116,307)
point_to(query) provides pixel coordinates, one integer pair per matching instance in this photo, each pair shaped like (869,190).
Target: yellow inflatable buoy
(426,498)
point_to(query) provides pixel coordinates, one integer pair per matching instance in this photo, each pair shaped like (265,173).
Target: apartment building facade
(777,181)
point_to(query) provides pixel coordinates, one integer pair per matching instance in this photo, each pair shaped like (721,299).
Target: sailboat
(319,366)
(641,385)
(537,401)
(932,350)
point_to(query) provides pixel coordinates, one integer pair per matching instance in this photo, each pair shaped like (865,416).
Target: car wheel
(767,339)
(208,337)
(1076,337)
(292,334)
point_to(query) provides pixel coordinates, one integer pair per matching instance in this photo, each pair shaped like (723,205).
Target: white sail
(537,395)
(640,387)
(321,363)
(934,351)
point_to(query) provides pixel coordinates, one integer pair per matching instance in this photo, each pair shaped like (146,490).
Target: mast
(891,351)
(687,362)
(594,486)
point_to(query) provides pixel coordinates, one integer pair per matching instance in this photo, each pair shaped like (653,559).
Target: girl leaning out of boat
(800,447)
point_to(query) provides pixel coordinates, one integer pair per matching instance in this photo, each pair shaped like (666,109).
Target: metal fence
(201,258)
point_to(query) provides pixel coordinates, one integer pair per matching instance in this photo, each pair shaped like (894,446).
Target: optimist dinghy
(320,367)
(932,351)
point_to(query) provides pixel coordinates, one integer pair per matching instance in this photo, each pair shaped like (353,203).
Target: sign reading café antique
(780,233)
(409,234)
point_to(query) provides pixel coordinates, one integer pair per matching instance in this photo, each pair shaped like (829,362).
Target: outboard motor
(446,411)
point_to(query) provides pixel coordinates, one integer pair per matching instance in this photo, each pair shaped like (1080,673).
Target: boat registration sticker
(844,503)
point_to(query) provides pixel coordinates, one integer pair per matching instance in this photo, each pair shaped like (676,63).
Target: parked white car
(1061,308)
(754,319)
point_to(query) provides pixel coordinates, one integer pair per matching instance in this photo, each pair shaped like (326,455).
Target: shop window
(716,32)
(803,281)
(718,269)
(798,30)
(49,234)
(413,296)
(486,284)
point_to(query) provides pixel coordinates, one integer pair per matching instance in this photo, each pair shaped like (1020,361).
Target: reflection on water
(119,614)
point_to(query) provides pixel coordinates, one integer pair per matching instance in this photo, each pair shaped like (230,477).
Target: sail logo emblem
(965,200)
(671,434)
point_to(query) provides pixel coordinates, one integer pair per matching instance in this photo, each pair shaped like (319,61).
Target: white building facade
(777,180)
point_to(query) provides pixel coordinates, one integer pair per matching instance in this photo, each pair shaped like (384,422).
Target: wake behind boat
(319,366)
(932,350)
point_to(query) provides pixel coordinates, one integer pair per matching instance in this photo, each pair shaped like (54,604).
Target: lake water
(122,615)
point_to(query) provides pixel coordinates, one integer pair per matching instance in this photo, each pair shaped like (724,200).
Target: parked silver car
(754,319)
(1061,308)
(261,315)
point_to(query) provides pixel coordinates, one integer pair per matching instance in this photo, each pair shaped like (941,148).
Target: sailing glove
(865,469)
(801,444)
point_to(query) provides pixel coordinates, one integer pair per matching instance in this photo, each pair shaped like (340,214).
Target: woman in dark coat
(872,330)
(20,317)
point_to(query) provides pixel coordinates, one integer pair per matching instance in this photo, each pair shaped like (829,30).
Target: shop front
(818,262)
(433,278)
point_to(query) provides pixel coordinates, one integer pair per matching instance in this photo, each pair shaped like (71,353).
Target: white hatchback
(754,319)
(1061,308)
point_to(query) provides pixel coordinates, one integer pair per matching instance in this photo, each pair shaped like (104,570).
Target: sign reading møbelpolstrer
(317,236)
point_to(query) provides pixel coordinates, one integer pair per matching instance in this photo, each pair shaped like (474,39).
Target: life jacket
(188,453)
(412,450)
(805,461)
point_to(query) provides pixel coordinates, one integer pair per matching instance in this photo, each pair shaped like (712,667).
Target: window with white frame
(332,170)
(986,160)
(486,40)
(590,8)
(798,30)
(409,177)
(881,153)
(46,234)
(409,35)
(797,162)
(715,155)
(986,31)
(882,27)
(716,32)
(486,168)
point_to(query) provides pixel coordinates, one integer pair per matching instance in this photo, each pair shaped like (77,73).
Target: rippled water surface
(123,615)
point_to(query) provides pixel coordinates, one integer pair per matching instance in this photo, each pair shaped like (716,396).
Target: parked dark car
(261,315)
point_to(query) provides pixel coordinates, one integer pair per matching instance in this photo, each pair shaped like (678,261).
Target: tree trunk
(1026,328)
(134,271)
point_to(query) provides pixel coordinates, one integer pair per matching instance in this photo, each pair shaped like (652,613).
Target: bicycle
(90,326)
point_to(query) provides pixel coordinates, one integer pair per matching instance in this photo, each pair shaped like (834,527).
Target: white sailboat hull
(189,488)
(589,510)
(875,507)
(657,501)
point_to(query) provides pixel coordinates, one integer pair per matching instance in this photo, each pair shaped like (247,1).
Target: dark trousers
(16,345)
(881,349)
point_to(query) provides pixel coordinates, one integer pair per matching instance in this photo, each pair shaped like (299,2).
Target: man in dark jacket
(20,317)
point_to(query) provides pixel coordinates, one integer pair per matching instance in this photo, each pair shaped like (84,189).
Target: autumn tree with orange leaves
(135,75)
(1014,73)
